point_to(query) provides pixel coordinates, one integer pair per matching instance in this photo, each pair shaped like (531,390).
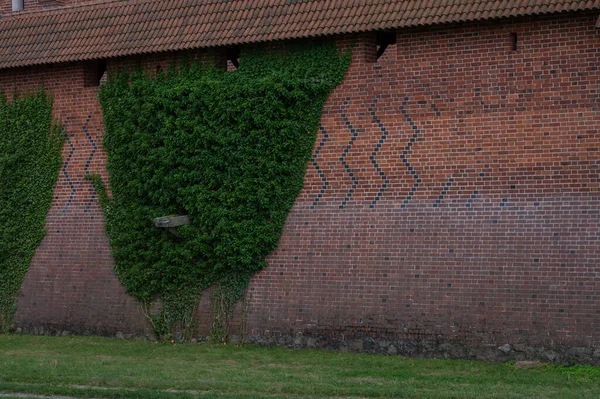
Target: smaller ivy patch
(30,159)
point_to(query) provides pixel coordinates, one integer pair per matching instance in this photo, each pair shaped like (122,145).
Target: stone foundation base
(561,355)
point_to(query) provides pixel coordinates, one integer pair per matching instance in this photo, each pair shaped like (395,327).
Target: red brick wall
(28,5)
(38,5)
(71,284)
(453,194)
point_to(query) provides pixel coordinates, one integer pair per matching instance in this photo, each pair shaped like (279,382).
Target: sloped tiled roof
(118,28)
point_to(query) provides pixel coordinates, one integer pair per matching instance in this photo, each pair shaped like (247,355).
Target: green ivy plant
(228,149)
(30,159)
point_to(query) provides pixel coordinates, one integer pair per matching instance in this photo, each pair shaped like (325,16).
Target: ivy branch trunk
(30,159)
(227,149)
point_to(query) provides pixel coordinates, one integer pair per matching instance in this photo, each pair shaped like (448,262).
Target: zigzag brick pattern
(354,135)
(406,153)
(66,173)
(385,181)
(86,169)
(314,160)
(444,192)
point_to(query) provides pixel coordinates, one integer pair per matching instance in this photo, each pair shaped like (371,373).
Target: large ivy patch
(228,149)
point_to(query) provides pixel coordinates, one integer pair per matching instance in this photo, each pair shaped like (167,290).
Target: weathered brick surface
(33,6)
(453,194)
(70,284)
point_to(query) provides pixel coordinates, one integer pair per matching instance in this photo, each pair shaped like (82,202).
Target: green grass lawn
(110,368)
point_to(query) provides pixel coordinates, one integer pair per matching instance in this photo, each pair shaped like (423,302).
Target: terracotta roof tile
(119,27)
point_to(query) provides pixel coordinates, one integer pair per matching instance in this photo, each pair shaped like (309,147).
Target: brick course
(453,195)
